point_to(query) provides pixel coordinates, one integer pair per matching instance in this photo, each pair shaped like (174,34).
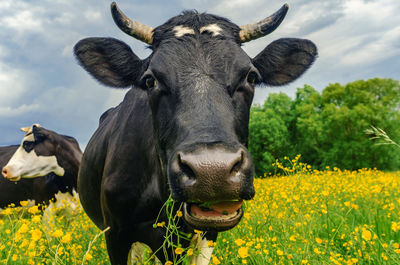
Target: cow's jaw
(215,217)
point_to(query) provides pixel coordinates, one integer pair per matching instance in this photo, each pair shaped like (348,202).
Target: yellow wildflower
(161,224)
(23,203)
(23,229)
(89,257)
(190,252)
(198,231)
(215,260)
(7,211)
(36,234)
(243,252)
(36,219)
(34,209)
(179,251)
(66,238)
(58,233)
(366,234)
(239,242)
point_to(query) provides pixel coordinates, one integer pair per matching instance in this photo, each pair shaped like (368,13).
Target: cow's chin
(15,179)
(208,219)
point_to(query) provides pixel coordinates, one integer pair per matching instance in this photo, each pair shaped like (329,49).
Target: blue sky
(40,81)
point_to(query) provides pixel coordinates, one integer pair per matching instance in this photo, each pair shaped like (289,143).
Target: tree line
(328,128)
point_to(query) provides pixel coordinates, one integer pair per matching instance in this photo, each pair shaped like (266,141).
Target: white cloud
(65,18)
(92,16)
(25,20)
(384,46)
(20,110)
(12,85)
(41,81)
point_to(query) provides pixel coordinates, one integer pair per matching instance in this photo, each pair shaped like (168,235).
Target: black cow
(44,164)
(182,128)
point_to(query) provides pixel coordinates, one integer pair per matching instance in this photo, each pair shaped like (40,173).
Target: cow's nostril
(4,172)
(186,169)
(236,167)
(237,164)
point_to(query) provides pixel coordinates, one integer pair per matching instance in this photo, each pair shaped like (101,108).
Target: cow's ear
(284,60)
(109,60)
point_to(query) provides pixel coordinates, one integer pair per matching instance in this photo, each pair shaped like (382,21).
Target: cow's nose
(206,165)
(211,174)
(4,172)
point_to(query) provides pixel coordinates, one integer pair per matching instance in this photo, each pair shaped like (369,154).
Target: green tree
(349,110)
(328,128)
(269,138)
(307,125)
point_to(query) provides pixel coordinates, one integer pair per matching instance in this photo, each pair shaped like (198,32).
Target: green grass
(305,217)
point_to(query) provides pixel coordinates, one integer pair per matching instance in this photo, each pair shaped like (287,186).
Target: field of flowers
(304,216)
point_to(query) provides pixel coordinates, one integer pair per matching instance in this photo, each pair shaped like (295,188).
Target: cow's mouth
(17,178)
(218,216)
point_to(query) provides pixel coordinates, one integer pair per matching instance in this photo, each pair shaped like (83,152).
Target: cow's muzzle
(6,172)
(213,182)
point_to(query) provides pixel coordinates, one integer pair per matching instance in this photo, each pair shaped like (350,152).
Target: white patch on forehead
(214,29)
(182,30)
(30,165)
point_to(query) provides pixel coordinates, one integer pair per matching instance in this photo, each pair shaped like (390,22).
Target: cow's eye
(28,146)
(252,78)
(150,82)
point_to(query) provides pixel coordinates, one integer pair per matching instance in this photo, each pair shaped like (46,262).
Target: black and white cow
(182,128)
(43,164)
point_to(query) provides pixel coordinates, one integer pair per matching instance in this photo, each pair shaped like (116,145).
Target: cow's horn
(25,129)
(264,27)
(131,27)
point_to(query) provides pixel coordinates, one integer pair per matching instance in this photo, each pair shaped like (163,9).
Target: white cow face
(35,157)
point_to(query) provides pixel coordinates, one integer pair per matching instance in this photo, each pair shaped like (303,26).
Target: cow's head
(200,86)
(35,157)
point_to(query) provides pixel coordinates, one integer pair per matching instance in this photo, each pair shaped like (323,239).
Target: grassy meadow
(303,216)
